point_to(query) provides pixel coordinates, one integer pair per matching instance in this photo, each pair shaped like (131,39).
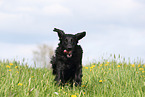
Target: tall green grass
(100,79)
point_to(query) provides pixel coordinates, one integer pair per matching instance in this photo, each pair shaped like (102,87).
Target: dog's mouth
(69,53)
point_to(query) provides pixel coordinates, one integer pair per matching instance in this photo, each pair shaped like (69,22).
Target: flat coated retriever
(67,61)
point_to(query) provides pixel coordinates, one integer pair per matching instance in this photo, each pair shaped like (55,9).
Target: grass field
(107,78)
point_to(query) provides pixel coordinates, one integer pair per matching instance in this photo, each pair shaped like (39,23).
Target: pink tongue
(65,51)
(68,52)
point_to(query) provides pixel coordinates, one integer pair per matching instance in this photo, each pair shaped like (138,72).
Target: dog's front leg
(78,76)
(60,74)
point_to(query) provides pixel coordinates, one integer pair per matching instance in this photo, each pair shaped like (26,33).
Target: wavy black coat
(68,69)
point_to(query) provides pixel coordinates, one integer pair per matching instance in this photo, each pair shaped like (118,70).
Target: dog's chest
(69,65)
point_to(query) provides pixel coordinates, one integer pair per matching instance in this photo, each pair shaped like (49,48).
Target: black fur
(67,62)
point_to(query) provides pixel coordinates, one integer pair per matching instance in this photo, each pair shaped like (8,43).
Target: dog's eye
(71,40)
(66,40)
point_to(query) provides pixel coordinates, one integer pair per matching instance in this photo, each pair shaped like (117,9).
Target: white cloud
(137,39)
(56,10)
(8,20)
(48,12)
(14,50)
(26,16)
(15,22)
(33,6)
(45,1)
(129,42)
(1,2)
(107,10)
(5,16)
(25,9)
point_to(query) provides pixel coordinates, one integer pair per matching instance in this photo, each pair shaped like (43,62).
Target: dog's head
(68,42)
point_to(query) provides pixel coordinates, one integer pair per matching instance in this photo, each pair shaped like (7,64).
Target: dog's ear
(80,35)
(59,32)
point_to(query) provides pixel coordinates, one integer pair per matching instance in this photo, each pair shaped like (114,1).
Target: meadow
(106,78)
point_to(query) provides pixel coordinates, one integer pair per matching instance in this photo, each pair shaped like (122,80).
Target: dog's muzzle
(69,53)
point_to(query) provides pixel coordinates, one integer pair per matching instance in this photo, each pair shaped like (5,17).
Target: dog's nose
(69,49)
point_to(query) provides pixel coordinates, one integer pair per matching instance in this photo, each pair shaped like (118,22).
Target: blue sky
(112,26)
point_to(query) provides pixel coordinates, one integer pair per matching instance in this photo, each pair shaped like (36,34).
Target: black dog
(67,62)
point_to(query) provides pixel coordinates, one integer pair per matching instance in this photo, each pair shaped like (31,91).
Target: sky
(112,26)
